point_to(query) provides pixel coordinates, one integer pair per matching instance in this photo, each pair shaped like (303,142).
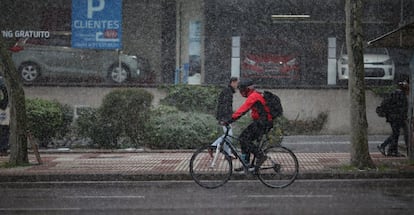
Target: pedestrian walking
(395,108)
(225,109)
(4,119)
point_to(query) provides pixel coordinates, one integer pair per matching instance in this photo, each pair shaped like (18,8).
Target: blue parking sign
(97,24)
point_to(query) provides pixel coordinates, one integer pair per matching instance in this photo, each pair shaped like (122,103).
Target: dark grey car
(54,57)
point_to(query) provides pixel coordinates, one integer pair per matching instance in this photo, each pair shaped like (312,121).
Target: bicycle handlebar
(228,127)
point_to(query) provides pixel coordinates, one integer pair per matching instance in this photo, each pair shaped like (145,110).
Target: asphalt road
(332,143)
(380,196)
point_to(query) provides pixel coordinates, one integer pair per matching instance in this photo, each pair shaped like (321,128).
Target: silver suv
(54,58)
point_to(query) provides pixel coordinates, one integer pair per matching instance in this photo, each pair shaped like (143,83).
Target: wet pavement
(135,164)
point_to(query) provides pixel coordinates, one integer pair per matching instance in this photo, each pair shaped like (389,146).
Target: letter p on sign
(92,8)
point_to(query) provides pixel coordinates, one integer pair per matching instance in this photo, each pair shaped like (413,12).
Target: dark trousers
(392,140)
(4,138)
(253,132)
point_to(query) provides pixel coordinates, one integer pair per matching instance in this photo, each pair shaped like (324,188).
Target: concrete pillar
(332,61)
(235,56)
(410,111)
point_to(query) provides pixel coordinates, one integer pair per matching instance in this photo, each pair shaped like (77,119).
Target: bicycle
(212,167)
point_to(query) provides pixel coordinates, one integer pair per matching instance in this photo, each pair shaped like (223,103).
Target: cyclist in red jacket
(262,121)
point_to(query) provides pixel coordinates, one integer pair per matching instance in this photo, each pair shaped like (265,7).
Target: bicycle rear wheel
(208,171)
(280,169)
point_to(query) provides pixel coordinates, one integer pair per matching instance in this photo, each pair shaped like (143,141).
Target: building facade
(207,41)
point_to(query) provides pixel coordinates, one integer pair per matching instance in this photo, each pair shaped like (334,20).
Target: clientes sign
(97,24)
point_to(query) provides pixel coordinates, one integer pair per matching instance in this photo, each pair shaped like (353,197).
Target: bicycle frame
(233,148)
(229,144)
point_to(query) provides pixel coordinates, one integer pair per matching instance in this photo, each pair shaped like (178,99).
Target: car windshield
(378,51)
(381,51)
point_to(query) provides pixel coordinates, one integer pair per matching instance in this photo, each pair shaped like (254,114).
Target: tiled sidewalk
(175,163)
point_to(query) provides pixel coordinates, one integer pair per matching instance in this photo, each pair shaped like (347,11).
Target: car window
(380,51)
(35,41)
(54,40)
(59,40)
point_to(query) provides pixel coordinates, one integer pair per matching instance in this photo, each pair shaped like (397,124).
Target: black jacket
(225,104)
(396,106)
(5,98)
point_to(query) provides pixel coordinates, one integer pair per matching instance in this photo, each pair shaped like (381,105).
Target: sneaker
(395,154)
(381,149)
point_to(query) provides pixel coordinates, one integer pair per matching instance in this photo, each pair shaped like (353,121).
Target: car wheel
(29,71)
(118,75)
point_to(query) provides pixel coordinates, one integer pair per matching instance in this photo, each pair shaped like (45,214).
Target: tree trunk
(18,139)
(359,126)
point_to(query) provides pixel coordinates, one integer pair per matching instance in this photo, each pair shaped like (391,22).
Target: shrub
(383,91)
(192,98)
(122,116)
(308,126)
(67,119)
(173,129)
(89,125)
(47,119)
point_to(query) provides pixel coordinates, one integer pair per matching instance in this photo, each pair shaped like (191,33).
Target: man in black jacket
(396,109)
(4,119)
(225,101)
(225,108)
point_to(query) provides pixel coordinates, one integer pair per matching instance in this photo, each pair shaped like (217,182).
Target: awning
(402,37)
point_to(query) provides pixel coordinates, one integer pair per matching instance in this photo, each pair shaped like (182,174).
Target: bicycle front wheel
(210,169)
(280,169)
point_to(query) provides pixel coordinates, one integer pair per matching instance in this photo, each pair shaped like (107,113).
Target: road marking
(40,209)
(313,143)
(284,196)
(103,197)
(289,196)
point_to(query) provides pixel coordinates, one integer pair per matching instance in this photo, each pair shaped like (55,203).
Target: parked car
(54,57)
(271,66)
(378,64)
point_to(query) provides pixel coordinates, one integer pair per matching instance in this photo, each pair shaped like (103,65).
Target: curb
(184,176)
(93,177)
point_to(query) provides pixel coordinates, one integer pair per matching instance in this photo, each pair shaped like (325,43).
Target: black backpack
(273,102)
(385,107)
(392,104)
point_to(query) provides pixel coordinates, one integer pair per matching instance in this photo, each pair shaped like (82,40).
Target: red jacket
(252,102)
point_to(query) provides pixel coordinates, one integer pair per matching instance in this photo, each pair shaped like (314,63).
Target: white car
(377,63)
